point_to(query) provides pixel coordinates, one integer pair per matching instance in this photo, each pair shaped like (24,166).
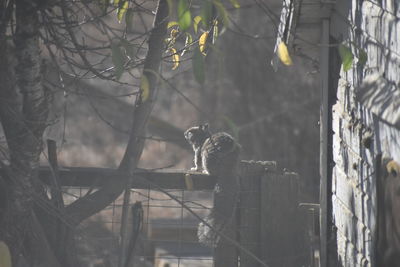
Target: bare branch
(89,205)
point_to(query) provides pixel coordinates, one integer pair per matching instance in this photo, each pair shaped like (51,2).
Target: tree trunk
(23,115)
(26,210)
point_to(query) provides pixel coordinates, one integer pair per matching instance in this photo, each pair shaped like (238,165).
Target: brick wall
(373,27)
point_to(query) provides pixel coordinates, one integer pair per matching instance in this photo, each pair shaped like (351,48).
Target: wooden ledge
(165,179)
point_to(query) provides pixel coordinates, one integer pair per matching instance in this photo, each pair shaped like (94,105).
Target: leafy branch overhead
(54,47)
(345,52)
(193,30)
(187,29)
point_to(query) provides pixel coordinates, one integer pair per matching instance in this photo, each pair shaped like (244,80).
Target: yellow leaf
(116,2)
(235,3)
(144,88)
(196,20)
(172,24)
(393,167)
(174,33)
(202,42)
(122,10)
(175,58)
(5,256)
(283,54)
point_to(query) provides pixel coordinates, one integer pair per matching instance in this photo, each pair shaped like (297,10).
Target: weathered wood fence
(269,222)
(268,225)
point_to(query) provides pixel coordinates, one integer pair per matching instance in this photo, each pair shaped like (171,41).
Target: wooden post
(224,215)
(282,222)
(249,208)
(324,137)
(260,215)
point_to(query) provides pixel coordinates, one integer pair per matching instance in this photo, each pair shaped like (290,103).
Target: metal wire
(168,236)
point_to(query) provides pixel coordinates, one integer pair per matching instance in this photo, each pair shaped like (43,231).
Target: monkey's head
(197,135)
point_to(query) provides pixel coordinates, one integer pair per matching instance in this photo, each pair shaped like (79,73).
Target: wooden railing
(268,227)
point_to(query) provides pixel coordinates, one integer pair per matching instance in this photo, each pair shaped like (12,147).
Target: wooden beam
(249,210)
(143,179)
(324,137)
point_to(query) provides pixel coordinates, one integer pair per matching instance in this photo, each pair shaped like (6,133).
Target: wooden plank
(249,210)
(224,219)
(265,216)
(96,177)
(144,179)
(240,221)
(324,137)
(282,222)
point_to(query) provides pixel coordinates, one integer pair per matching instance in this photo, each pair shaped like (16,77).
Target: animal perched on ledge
(218,155)
(214,154)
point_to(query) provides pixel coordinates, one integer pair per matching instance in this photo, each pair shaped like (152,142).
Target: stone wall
(360,134)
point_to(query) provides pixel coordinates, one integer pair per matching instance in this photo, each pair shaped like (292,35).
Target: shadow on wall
(388,198)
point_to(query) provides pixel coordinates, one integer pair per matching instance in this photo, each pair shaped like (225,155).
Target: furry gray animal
(214,154)
(217,155)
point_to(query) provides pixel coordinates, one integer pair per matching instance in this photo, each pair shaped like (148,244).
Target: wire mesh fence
(266,227)
(167,235)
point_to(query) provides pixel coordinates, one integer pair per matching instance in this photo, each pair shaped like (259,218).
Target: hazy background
(273,114)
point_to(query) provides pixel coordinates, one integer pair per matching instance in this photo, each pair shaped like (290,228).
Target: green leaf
(235,3)
(129,19)
(184,16)
(118,60)
(222,12)
(198,66)
(347,57)
(196,22)
(122,10)
(5,255)
(362,57)
(206,13)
